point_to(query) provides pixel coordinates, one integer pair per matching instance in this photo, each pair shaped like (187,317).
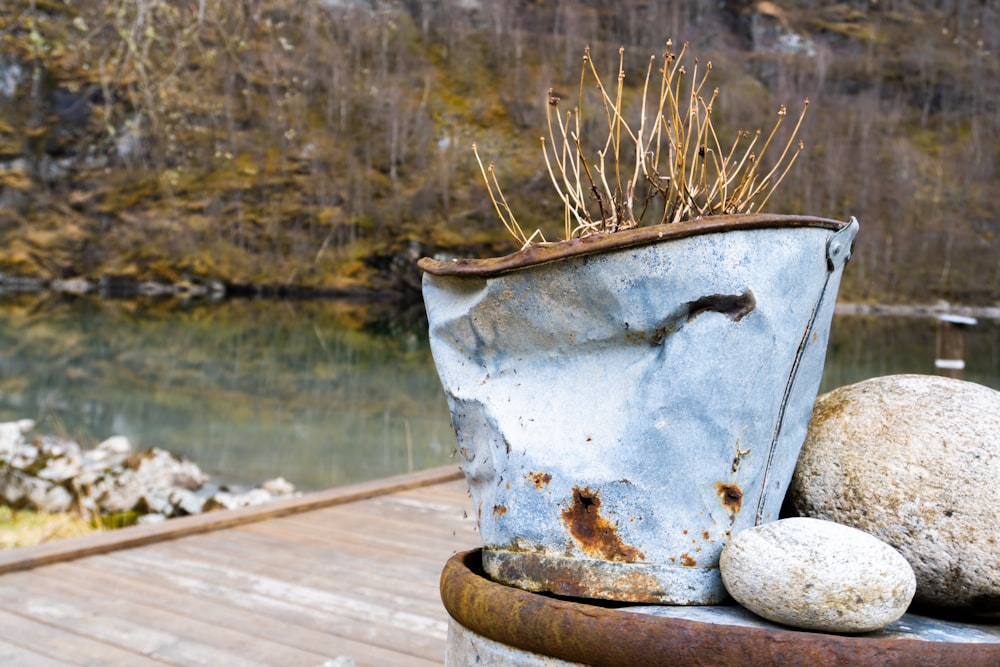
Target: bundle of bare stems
(670,165)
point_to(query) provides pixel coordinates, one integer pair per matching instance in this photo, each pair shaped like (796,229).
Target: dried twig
(677,158)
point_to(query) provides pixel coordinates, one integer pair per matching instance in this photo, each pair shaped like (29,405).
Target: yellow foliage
(15,179)
(26,527)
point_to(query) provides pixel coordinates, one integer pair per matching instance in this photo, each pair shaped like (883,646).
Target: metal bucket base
(607,580)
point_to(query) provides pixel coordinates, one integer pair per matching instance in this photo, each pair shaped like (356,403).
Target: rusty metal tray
(600,633)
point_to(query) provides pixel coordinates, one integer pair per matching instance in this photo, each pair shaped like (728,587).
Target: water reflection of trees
(324,392)
(279,142)
(862,347)
(245,386)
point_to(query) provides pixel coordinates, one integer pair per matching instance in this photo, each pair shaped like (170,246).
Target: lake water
(322,393)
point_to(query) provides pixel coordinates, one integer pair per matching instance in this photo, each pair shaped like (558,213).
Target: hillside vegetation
(327,144)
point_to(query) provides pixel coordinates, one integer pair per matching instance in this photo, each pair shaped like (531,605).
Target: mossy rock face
(268,145)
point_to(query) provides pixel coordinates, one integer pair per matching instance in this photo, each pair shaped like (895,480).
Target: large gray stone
(913,460)
(817,575)
(279,486)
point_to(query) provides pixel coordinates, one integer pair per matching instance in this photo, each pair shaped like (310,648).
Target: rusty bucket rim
(544,253)
(597,635)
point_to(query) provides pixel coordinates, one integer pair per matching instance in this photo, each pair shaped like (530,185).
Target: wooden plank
(327,535)
(65,647)
(392,553)
(354,578)
(449,491)
(322,610)
(12,654)
(418,515)
(397,560)
(397,520)
(329,600)
(335,563)
(171,636)
(419,511)
(428,541)
(445,497)
(373,534)
(137,584)
(381,546)
(53,552)
(358,575)
(417,593)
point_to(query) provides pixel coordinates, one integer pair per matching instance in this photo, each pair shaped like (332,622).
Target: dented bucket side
(620,414)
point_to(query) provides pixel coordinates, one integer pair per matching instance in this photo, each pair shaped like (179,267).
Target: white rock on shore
(52,474)
(913,460)
(12,436)
(817,575)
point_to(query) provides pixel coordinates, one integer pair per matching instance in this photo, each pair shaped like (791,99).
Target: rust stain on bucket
(595,534)
(732,496)
(540,479)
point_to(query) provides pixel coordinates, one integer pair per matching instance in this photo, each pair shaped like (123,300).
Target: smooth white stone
(11,435)
(817,575)
(278,486)
(913,460)
(114,450)
(186,502)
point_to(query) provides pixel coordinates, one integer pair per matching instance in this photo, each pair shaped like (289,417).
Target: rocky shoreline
(53,474)
(407,286)
(126,287)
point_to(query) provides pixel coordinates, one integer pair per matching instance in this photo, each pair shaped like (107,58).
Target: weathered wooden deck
(339,578)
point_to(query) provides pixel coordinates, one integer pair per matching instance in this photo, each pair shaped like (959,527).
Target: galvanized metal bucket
(623,403)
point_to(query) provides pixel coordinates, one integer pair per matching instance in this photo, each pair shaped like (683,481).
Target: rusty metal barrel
(493,625)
